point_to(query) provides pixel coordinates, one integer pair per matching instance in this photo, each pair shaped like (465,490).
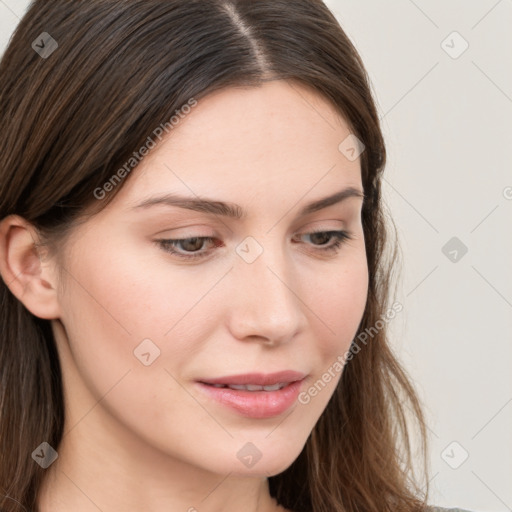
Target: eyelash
(169,245)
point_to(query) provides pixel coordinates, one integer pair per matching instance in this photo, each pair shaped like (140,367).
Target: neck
(90,475)
(103,465)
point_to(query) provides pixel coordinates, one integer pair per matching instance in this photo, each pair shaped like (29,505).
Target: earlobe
(23,269)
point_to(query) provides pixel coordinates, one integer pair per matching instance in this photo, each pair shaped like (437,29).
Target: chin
(267,466)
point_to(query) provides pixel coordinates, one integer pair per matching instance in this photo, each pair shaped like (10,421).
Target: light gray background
(448,126)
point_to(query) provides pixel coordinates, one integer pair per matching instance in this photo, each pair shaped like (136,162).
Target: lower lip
(256,404)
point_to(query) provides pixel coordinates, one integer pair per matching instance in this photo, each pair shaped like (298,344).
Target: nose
(265,302)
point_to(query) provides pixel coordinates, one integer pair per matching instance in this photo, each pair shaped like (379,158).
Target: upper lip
(259,379)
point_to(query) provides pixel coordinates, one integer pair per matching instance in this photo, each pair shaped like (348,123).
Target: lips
(255,395)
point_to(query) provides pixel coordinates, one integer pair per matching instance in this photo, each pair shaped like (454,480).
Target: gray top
(441,509)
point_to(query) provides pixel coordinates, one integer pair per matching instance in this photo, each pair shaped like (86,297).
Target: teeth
(243,387)
(255,387)
(251,387)
(275,387)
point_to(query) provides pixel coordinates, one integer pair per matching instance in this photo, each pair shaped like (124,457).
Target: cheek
(338,301)
(108,310)
(126,290)
(116,299)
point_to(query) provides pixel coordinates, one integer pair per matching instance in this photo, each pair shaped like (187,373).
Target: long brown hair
(73,110)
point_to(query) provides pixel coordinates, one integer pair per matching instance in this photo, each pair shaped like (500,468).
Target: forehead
(247,118)
(279,139)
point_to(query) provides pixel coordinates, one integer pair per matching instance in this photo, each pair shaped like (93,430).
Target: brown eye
(320,239)
(190,246)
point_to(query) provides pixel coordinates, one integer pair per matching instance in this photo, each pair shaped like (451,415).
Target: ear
(25,270)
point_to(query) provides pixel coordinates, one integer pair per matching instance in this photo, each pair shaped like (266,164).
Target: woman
(194,276)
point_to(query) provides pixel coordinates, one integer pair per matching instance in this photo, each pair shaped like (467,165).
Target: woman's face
(142,326)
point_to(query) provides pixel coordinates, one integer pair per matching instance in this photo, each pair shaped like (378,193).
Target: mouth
(255,395)
(260,380)
(250,387)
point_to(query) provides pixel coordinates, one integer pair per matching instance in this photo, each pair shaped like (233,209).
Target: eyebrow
(235,211)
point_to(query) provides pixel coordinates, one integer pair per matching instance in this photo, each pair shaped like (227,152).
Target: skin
(144,437)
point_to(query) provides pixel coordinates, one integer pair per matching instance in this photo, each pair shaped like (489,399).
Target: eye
(339,238)
(190,248)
